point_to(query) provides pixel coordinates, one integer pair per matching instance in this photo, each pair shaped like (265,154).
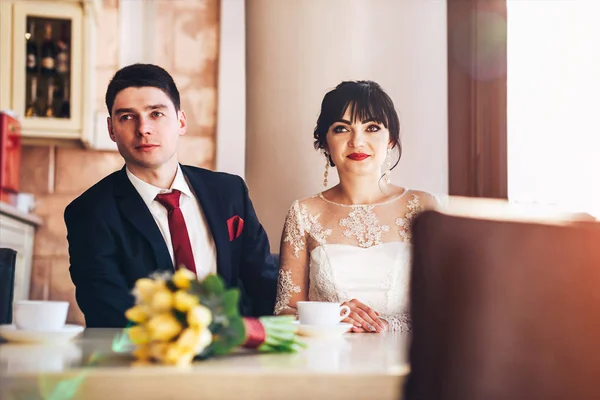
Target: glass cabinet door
(47,68)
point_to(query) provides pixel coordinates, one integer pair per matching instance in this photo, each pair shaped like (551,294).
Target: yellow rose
(160,284)
(194,340)
(189,338)
(186,358)
(142,352)
(183,277)
(175,355)
(204,340)
(138,334)
(138,314)
(158,350)
(183,301)
(163,327)
(144,288)
(199,316)
(162,300)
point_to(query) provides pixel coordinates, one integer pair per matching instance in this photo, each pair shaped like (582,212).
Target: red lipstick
(358,156)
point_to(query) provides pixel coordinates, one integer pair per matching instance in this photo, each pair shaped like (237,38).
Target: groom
(157,215)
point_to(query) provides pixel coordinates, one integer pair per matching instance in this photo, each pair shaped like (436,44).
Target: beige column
(297,50)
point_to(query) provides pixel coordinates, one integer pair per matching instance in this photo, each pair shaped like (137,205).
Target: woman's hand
(361,330)
(364,318)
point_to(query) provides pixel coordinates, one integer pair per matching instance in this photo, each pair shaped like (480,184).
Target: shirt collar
(148,192)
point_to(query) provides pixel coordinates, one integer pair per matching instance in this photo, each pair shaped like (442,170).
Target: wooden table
(355,366)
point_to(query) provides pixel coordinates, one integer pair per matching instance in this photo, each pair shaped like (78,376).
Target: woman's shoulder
(309,201)
(422,199)
(307,204)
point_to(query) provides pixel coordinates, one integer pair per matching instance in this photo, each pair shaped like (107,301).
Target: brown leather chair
(8,259)
(504,310)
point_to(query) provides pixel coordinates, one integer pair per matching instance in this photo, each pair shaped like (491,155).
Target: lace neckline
(320,195)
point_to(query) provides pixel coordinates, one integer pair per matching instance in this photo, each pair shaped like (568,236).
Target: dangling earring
(388,164)
(326,174)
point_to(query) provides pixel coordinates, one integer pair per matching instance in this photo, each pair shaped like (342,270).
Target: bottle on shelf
(48,53)
(31,63)
(49,112)
(65,108)
(31,109)
(62,55)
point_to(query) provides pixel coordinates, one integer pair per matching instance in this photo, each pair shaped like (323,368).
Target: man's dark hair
(141,75)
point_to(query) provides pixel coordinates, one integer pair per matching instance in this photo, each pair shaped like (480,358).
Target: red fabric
(182,248)
(255,333)
(235,225)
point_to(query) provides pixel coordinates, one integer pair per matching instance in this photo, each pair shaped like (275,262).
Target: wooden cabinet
(17,232)
(46,67)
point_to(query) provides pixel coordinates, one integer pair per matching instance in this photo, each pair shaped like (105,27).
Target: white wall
(231,116)
(298,50)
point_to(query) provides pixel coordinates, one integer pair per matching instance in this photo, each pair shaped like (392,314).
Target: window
(553,96)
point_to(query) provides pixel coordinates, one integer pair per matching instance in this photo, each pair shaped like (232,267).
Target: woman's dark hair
(141,75)
(367,101)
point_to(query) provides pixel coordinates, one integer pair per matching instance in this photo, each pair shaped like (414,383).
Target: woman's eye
(340,129)
(373,128)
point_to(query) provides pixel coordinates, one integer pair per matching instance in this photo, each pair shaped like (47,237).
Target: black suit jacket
(114,240)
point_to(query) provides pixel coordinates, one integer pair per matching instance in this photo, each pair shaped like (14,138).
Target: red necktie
(182,248)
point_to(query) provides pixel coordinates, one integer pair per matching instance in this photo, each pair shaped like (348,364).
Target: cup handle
(346,312)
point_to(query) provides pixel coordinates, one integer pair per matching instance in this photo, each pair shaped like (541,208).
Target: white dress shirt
(203,245)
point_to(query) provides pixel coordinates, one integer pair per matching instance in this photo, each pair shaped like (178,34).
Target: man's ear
(110,129)
(182,122)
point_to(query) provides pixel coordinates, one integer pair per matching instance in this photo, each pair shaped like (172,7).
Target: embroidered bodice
(335,252)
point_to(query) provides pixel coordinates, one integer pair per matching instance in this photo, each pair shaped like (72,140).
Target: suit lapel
(208,197)
(133,208)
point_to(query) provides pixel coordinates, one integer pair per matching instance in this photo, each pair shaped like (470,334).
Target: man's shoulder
(222,179)
(98,195)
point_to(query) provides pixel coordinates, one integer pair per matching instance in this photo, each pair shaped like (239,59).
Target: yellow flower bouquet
(177,318)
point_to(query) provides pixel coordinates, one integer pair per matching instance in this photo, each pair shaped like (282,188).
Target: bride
(351,243)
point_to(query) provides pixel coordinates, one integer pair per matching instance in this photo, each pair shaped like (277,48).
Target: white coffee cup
(25,202)
(321,312)
(37,315)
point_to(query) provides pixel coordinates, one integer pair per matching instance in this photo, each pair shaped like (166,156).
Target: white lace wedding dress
(335,252)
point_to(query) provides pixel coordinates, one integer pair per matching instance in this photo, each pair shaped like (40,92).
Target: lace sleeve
(295,229)
(398,322)
(430,201)
(292,284)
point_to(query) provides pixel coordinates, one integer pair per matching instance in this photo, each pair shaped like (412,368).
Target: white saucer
(11,333)
(323,330)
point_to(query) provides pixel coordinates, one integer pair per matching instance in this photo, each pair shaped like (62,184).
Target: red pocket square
(235,225)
